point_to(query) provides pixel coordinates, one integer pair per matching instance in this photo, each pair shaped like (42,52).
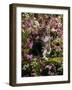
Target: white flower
(25,66)
(35,59)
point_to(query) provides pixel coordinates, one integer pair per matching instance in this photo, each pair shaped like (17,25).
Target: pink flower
(30,44)
(28,23)
(53,29)
(29,56)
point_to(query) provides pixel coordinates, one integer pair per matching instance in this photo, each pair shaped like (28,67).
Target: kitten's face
(45,39)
